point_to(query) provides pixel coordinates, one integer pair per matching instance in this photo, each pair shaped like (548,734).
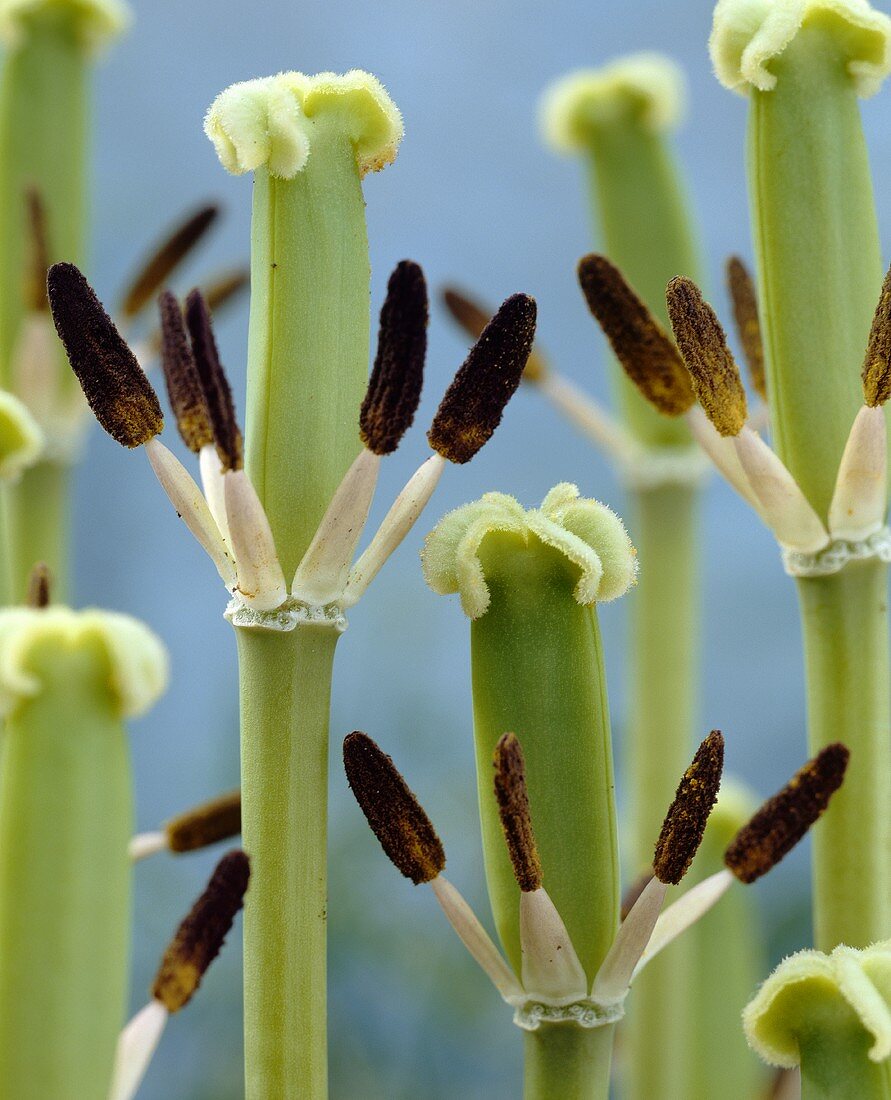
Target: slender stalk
(845,624)
(285,696)
(567,1062)
(835,1064)
(44,139)
(65,822)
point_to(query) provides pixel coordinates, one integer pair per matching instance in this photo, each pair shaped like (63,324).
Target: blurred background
(476,199)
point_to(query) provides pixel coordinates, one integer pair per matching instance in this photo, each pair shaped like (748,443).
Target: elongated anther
(184,389)
(209,823)
(394,388)
(784,819)
(860,501)
(745,313)
(201,935)
(261,582)
(703,345)
(876,372)
(782,504)
(166,258)
(396,817)
(687,817)
(225,288)
(473,316)
(646,353)
(473,404)
(215,385)
(114,383)
(513,809)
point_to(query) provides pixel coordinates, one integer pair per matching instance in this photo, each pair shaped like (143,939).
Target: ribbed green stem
(37,519)
(309,338)
(537,666)
(564,1062)
(44,144)
(845,624)
(285,696)
(65,822)
(817,246)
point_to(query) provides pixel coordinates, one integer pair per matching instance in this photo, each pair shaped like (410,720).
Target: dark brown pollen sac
(209,823)
(474,403)
(703,345)
(645,352)
(114,383)
(745,313)
(166,258)
(38,252)
(687,817)
(392,810)
(40,584)
(876,372)
(784,819)
(181,376)
(512,797)
(473,317)
(201,935)
(394,389)
(214,384)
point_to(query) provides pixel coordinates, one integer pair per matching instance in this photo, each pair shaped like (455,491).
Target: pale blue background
(476,198)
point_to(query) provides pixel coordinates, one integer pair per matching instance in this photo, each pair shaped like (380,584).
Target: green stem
(285,698)
(36,513)
(835,1063)
(564,1062)
(65,822)
(537,665)
(845,624)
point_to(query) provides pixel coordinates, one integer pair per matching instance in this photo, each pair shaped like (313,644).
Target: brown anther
(741,287)
(703,345)
(513,809)
(114,383)
(394,389)
(473,317)
(201,935)
(394,814)
(876,373)
(644,350)
(209,823)
(164,260)
(39,587)
(687,817)
(474,403)
(223,290)
(38,253)
(214,384)
(784,819)
(181,376)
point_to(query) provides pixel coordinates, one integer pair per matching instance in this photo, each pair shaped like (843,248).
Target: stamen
(156,270)
(224,289)
(38,253)
(393,812)
(206,824)
(876,373)
(646,353)
(394,389)
(703,345)
(633,892)
(745,312)
(181,375)
(473,404)
(39,587)
(217,394)
(687,817)
(113,382)
(261,581)
(473,318)
(201,935)
(784,819)
(513,808)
